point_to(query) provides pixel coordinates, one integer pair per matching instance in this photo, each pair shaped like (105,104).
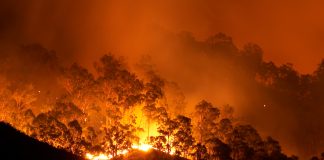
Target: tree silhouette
(200,152)
(207,116)
(167,129)
(50,130)
(183,139)
(118,138)
(219,150)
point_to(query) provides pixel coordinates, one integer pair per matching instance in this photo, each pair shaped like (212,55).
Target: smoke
(83,30)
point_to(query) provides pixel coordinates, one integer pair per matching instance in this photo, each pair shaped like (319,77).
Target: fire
(98,157)
(142,147)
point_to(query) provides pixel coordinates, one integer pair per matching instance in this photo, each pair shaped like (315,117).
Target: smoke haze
(174,34)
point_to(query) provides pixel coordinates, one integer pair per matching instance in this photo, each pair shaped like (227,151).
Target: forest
(116,107)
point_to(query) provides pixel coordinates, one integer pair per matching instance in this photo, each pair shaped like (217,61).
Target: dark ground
(15,145)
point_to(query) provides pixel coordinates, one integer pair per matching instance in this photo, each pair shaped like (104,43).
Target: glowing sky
(287,30)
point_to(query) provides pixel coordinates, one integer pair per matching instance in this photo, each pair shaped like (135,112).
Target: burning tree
(48,129)
(77,143)
(153,93)
(183,139)
(119,138)
(165,139)
(79,86)
(175,136)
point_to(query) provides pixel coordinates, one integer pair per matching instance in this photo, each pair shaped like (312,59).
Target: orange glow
(97,157)
(101,156)
(143,147)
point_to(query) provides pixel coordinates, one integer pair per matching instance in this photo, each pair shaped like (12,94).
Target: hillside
(15,145)
(149,155)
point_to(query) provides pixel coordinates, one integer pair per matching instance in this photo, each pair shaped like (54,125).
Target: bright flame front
(98,157)
(142,147)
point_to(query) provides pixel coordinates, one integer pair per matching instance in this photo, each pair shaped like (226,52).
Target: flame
(142,147)
(98,157)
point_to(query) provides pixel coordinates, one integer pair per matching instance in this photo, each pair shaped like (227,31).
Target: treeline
(275,98)
(97,113)
(106,111)
(213,137)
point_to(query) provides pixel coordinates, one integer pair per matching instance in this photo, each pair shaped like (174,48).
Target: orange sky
(287,30)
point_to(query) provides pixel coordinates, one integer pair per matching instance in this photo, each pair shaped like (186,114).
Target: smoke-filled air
(182,79)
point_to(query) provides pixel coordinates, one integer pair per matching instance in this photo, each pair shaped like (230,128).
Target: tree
(267,74)
(23,97)
(200,152)
(288,78)
(284,78)
(222,44)
(119,138)
(79,85)
(219,150)
(251,57)
(27,117)
(314,158)
(240,150)
(48,129)
(167,129)
(224,130)
(150,112)
(75,131)
(175,136)
(116,85)
(91,141)
(207,116)
(227,112)
(117,89)
(160,143)
(248,135)
(244,142)
(67,112)
(319,72)
(153,92)
(272,147)
(183,139)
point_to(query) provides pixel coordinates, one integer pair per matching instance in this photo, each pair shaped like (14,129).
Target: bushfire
(108,113)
